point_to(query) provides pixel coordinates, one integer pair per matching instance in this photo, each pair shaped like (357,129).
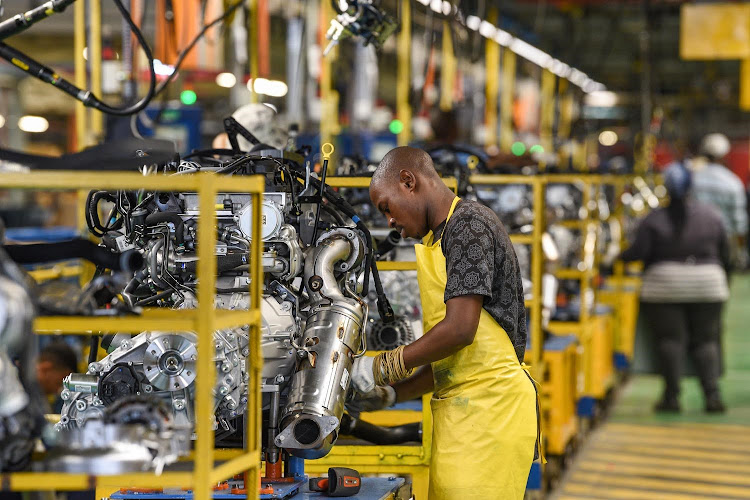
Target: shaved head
(407,189)
(416,161)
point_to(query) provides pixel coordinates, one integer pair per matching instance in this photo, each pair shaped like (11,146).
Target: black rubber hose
(93,348)
(179,225)
(388,243)
(78,248)
(223,263)
(379,435)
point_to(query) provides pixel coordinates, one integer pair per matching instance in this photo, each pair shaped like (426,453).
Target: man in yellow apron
(484,404)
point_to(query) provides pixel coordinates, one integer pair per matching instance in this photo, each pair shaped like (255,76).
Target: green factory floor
(637,454)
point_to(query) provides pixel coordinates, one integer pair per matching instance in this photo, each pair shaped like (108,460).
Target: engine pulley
(169,362)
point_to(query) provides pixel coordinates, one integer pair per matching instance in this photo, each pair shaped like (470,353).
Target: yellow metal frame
(204,320)
(403,82)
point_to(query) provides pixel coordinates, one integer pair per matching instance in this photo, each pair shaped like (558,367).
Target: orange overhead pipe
(264,39)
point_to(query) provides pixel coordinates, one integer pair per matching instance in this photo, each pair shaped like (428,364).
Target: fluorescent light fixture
(531,53)
(520,47)
(473,23)
(487,30)
(503,38)
(273,88)
(601,99)
(226,80)
(608,138)
(162,69)
(33,124)
(2,121)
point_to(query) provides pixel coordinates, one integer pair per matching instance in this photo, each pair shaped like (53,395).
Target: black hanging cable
(47,75)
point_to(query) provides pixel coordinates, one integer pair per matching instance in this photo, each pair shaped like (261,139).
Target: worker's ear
(408,180)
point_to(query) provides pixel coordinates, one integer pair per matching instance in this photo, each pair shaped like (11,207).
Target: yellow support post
(255,360)
(403,83)
(252,41)
(547,112)
(492,64)
(79,43)
(537,263)
(447,69)
(745,85)
(329,109)
(95,60)
(506,100)
(204,446)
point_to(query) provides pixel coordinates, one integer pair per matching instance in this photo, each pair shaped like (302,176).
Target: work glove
(381,397)
(363,379)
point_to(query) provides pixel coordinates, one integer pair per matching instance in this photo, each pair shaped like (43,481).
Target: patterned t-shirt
(480,260)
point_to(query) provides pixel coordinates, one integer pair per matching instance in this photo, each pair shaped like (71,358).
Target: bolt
(94,367)
(65,395)
(332,421)
(243,400)
(229,380)
(223,390)
(178,404)
(226,367)
(81,405)
(279,379)
(391,478)
(245,352)
(281,438)
(147,388)
(218,346)
(231,405)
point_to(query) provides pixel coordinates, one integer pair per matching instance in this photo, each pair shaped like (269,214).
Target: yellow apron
(483,405)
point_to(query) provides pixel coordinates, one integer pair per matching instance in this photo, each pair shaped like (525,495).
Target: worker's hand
(363,379)
(382,396)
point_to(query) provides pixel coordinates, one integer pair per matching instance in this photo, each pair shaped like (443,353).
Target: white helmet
(715,146)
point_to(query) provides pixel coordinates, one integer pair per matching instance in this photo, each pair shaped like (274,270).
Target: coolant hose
(78,248)
(174,218)
(379,435)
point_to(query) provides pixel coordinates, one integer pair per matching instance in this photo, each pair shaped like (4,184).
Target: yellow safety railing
(204,320)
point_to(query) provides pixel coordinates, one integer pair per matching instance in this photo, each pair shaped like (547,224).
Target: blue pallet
(373,488)
(41,234)
(586,407)
(534,482)
(622,363)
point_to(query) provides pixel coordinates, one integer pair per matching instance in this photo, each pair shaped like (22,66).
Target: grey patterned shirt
(480,260)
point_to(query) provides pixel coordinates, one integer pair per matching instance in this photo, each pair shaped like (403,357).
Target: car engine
(316,258)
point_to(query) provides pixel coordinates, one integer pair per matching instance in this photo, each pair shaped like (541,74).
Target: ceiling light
(601,99)
(503,37)
(162,69)
(273,88)
(437,6)
(531,53)
(608,138)
(2,121)
(487,30)
(33,124)
(226,80)
(446,8)
(473,23)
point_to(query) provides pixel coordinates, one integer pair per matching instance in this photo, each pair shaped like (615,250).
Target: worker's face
(50,376)
(401,205)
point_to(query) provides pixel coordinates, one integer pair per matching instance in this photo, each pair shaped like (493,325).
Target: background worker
(685,252)
(717,185)
(484,404)
(56,361)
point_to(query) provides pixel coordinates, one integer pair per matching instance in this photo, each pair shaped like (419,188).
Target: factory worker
(484,404)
